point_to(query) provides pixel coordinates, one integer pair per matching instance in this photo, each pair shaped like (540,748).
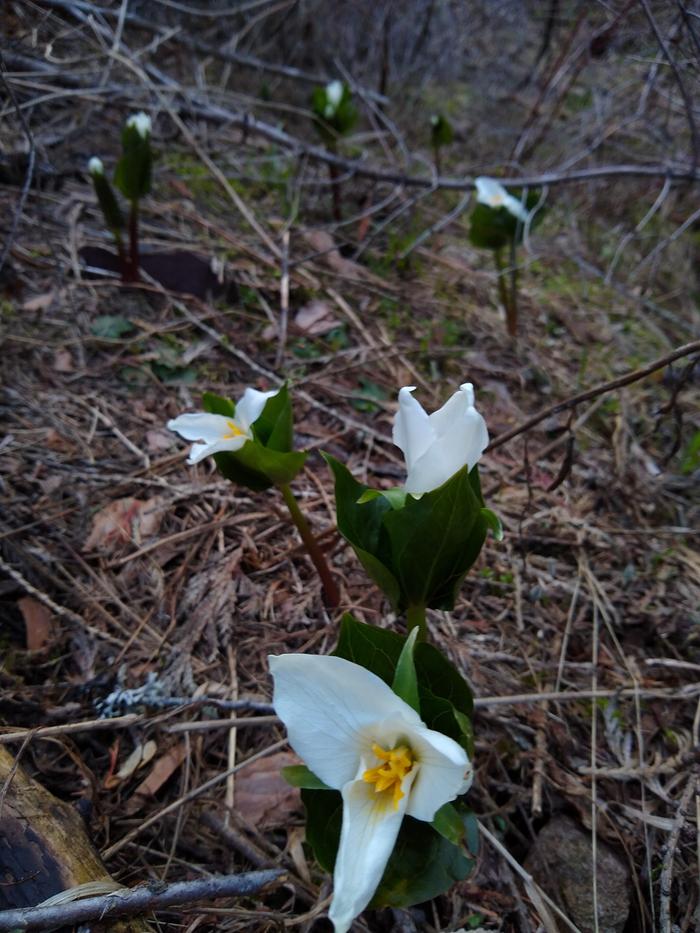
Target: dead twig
(31,157)
(130,902)
(634,376)
(666,878)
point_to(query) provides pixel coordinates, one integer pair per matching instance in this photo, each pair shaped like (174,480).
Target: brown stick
(129,902)
(634,376)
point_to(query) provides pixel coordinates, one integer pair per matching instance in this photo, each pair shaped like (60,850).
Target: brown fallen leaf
(316,318)
(158,441)
(139,758)
(162,771)
(39,302)
(322,242)
(123,521)
(263,797)
(63,361)
(38,623)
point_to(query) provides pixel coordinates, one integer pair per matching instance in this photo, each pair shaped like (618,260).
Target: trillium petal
(461,437)
(328,705)
(516,207)
(371,825)
(334,93)
(444,772)
(489,191)
(250,407)
(200,451)
(412,430)
(493,194)
(201,426)
(454,408)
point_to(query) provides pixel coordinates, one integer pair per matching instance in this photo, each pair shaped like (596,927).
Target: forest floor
(123,569)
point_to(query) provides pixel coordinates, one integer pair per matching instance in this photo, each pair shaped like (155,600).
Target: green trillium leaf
(448,822)
(495,227)
(218,405)
(275,426)
(108,202)
(340,122)
(301,776)
(324,819)
(268,459)
(405,683)
(376,649)
(133,172)
(434,540)
(493,522)
(445,699)
(417,550)
(441,132)
(423,864)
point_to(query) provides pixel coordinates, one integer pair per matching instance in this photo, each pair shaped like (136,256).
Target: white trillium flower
(334,95)
(493,194)
(360,738)
(216,433)
(141,123)
(436,446)
(95,166)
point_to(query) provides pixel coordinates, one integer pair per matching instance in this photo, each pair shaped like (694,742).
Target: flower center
(396,764)
(233,431)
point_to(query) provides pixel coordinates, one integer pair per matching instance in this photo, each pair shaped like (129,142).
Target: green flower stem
(134,241)
(512,318)
(331,596)
(502,289)
(121,254)
(335,186)
(415,616)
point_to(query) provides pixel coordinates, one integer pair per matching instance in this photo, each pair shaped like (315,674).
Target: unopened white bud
(141,123)
(95,166)
(334,93)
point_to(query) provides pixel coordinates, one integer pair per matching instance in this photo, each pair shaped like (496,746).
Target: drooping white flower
(95,166)
(493,194)
(216,433)
(334,94)
(360,738)
(436,446)
(141,123)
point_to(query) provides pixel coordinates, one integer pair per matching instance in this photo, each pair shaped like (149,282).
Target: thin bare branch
(130,902)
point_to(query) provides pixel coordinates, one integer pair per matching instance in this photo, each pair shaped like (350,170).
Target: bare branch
(129,902)
(634,376)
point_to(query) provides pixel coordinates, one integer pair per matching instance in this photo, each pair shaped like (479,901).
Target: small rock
(561,862)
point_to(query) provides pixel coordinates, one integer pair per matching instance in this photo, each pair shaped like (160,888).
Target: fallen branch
(178,37)
(254,127)
(130,902)
(634,376)
(192,107)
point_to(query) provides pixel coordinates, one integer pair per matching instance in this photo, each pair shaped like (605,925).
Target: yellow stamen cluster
(397,763)
(233,431)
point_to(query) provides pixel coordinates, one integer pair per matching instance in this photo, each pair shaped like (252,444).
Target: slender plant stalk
(121,254)
(415,617)
(133,263)
(334,174)
(512,318)
(511,312)
(331,596)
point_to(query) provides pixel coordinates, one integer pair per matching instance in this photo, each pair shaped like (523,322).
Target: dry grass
(594,590)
